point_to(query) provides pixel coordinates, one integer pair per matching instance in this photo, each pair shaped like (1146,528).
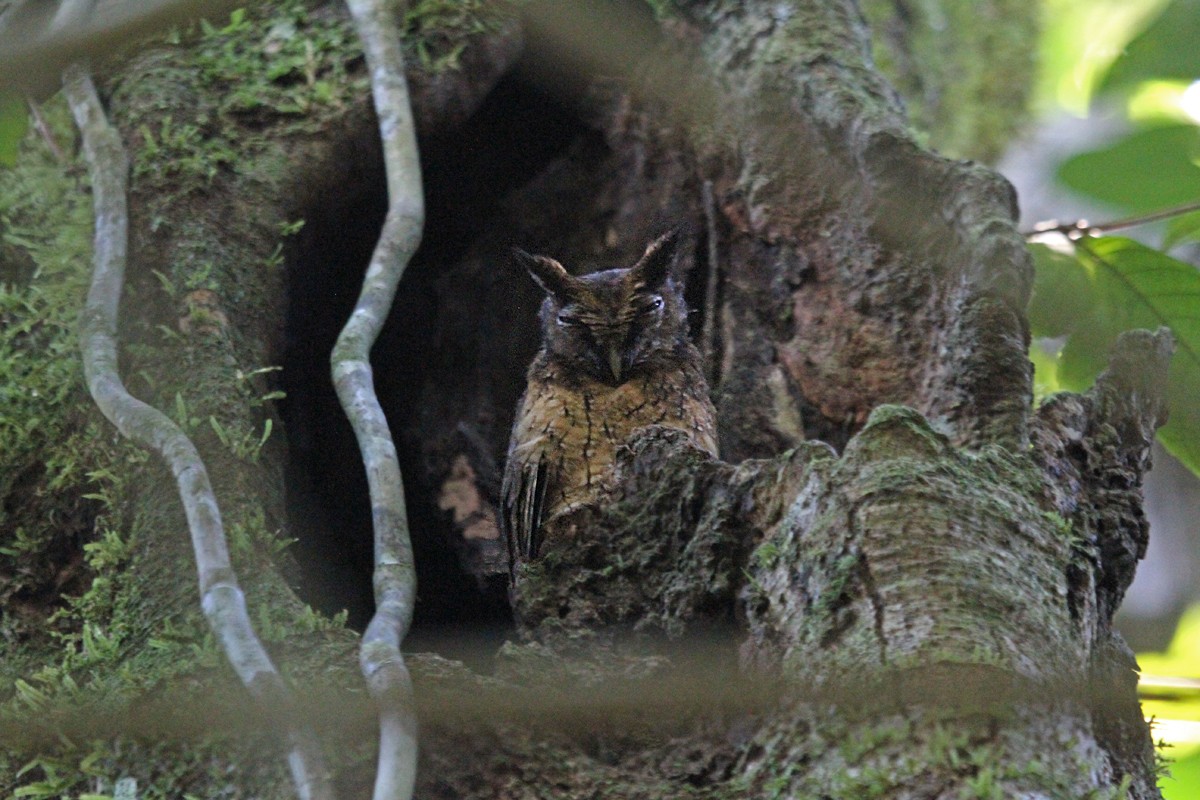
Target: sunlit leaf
(1085,354)
(1134,286)
(14,121)
(1167,689)
(1147,170)
(1045,371)
(1080,39)
(1165,49)
(1156,102)
(1184,781)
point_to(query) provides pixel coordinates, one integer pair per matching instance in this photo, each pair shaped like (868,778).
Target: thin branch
(395,579)
(221,598)
(1081,228)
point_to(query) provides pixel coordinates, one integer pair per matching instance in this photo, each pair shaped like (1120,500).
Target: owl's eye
(653,304)
(567,319)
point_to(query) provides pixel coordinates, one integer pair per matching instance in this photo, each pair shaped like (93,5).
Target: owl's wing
(522,498)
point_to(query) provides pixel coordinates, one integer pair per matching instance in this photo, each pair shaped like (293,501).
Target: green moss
(1061,524)
(276,69)
(221,91)
(436,31)
(845,756)
(898,430)
(54,495)
(766,555)
(93,548)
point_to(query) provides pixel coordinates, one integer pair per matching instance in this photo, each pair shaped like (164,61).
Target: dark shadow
(468,173)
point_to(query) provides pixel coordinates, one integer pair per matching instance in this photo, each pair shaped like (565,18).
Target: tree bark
(900,576)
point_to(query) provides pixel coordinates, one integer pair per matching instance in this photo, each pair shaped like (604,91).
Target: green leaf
(1062,292)
(14,121)
(1165,50)
(1148,170)
(1135,286)
(1085,354)
(219,430)
(1045,371)
(1184,781)
(1184,228)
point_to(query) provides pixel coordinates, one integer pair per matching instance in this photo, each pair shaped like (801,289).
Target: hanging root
(221,598)
(395,578)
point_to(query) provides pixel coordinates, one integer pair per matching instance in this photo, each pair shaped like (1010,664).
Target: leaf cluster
(217,88)
(1155,163)
(45,440)
(1091,288)
(61,470)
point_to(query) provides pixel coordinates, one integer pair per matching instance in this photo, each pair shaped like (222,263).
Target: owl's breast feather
(575,430)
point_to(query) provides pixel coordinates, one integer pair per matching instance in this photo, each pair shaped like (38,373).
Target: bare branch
(222,600)
(395,577)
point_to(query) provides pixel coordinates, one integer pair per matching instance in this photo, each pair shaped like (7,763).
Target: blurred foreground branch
(696,679)
(37,40)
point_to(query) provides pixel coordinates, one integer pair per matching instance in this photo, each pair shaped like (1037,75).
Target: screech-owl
(615,357)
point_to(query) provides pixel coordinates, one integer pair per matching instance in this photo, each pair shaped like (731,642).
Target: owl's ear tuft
(548,273)
(654,266)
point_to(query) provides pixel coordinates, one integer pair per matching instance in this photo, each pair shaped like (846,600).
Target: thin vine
(221,598)
(395,580)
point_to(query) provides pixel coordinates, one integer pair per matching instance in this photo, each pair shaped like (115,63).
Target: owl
(615,357)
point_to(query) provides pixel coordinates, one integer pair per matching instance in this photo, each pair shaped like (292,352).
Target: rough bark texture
(939,544)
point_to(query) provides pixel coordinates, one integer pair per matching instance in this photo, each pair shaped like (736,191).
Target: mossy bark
(926,596)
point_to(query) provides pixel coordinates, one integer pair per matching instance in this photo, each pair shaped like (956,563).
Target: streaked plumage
(615,357)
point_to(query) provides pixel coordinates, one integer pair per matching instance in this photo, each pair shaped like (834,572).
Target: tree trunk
(899,579)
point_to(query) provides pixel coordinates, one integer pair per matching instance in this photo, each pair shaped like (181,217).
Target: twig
(221,598)
(709,336)
(1082,227)
(395,577)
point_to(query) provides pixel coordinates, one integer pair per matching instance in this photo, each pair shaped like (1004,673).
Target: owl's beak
(614,362)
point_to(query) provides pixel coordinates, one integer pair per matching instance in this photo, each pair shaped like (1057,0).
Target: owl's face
(615,324)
